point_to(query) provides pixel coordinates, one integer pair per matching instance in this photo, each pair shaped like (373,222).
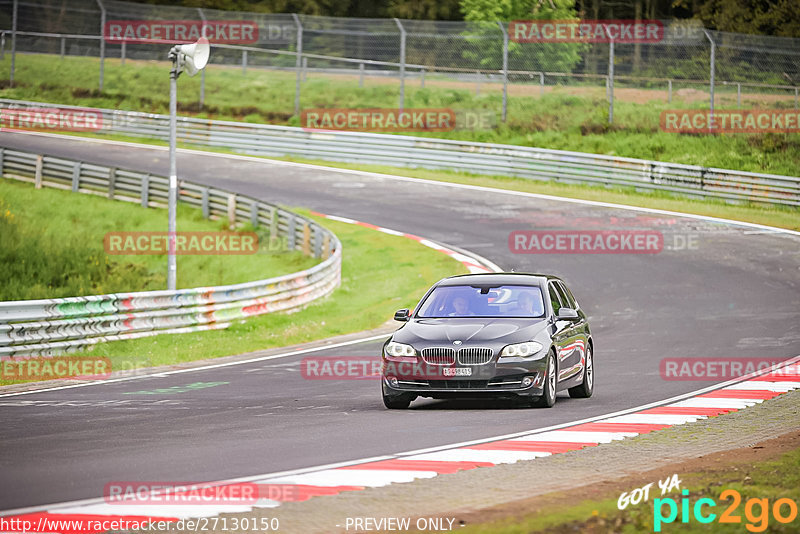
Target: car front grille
(475,356)
(439,356)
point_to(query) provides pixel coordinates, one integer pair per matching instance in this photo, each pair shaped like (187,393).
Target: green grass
(770,480)
(51,245)
(557,120)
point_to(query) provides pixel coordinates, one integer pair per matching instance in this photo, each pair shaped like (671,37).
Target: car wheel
(548,398)
(398,402)
(584,391)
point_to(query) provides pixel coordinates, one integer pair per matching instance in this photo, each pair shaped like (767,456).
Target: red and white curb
(474,263)
(376,472)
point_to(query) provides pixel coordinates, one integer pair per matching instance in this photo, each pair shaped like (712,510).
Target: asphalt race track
(735,294)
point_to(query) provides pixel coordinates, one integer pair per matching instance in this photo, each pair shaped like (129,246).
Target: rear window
(483,301)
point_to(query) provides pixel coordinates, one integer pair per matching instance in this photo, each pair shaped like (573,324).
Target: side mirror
(401,315)
(567,314)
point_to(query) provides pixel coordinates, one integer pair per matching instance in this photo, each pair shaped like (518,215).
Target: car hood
(470,331)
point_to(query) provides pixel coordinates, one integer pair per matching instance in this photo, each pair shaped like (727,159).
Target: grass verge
(567,118)
(51,246)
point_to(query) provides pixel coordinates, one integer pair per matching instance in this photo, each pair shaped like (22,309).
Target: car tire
(585,389)
(548,397)
(398,402)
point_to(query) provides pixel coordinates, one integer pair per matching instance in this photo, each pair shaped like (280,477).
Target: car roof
(527,279)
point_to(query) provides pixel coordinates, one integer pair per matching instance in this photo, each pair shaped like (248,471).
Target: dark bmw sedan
(490,335)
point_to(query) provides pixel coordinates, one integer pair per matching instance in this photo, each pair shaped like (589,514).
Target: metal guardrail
(45,327)
(431,153)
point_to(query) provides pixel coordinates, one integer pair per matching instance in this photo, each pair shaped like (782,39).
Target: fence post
(711,75)
(298,60)
(64,46)
(244,61)
(402,63)
(317,242)
(37,177)
(505,69)
(541,84)
(102,40)
(13,42)
(204,204)
(254,214)
(112,182)
(2,160)
(738,95)
(145,194)
(292,237)
(361,75)
(2,46)
(669,92)
(422,79)
(76,176)
(795,98)
(202,71)
(306,239)
(122,54)
(232,210)
(611,80)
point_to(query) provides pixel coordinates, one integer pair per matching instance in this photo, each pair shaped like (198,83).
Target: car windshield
(483,301)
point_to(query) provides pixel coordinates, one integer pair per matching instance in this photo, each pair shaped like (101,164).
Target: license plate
(457,371)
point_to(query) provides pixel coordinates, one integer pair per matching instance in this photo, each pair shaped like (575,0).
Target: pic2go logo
(756,511)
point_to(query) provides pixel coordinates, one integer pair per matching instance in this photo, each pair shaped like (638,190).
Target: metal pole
(611,81)
(738,95)
(361,75)
(2,45)
(202,74)
(711,73)
(13,42)
(102,40)
(172,268)
(402,63)
(505,69)
(122,54)
(669,92)
(795,98)
(422,79)
(63,46)
(298,60)
(541,83)
(244,61)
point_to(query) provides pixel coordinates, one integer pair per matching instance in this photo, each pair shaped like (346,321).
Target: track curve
(736,294)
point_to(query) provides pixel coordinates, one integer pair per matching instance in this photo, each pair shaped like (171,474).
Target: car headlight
(529,348)
(399,349)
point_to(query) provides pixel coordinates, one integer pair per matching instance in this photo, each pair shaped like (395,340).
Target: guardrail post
(361,75)
(306,239)
(505,69)
(112,181)
(273,224)
(254,214)
(63,46)
(738,95)
(102,40)
(2,160)
(76,177)
(422,79)
(292,232)
(402,64)
(297,63)
(232,210)
(145,193)
(204,204)
(122,53)
(13,42)
(244,61)
(317,242)
(669,92)
(37,177)
(326,246)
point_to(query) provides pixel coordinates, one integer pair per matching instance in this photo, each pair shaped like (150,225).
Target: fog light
(527,381)
(392,381)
